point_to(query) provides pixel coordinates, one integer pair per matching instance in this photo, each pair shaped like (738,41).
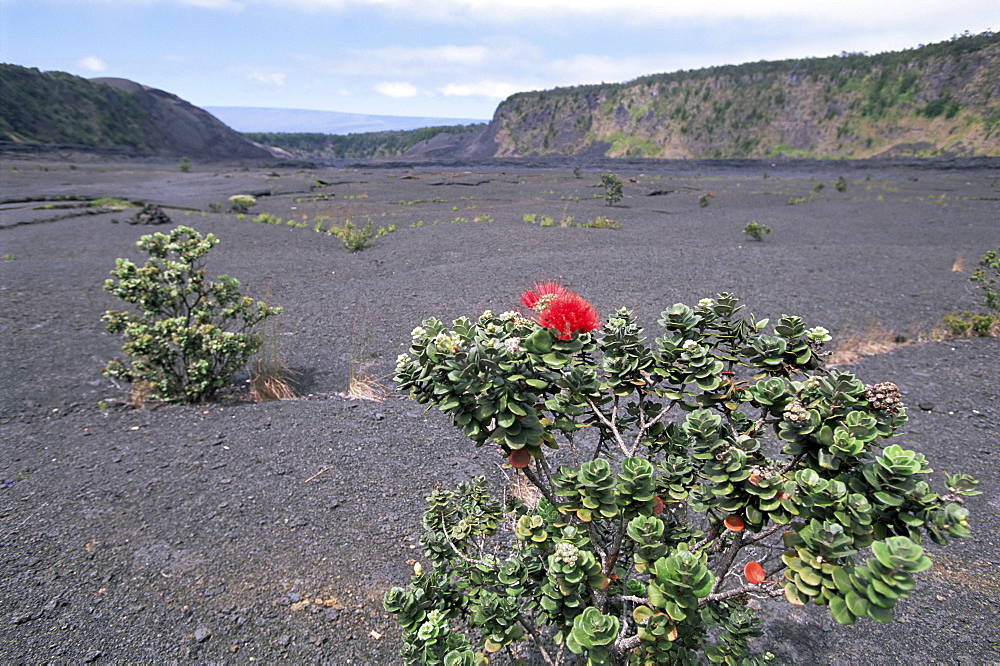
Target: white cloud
(276,79)
(397,89)
(92,64)
(490,89)
(449,54)
(228,5)
(643,11)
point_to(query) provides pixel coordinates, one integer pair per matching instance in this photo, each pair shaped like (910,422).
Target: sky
(445,58)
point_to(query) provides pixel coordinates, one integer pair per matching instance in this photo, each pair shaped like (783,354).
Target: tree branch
(612,426)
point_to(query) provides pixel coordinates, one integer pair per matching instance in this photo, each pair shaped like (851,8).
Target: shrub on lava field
(674,482)
(756,231)
(987,276)
(190,334)
(612,188)
(241,203)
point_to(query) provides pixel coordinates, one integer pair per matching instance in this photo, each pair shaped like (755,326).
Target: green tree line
(354,146)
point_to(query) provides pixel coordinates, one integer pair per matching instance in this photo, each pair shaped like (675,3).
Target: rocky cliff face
(936,100)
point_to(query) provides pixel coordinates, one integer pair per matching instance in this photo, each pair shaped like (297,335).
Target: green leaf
(883,615)
(840,612)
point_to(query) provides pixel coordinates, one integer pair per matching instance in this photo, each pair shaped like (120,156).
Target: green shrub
(612,188)
(185,165)
(671,481)
(352,238)
(602,222)
(267,218)
(111,203)
(841,184)
(968,323)
(241,203)
(705,199)
(190,334)
(987,274)
(756,231)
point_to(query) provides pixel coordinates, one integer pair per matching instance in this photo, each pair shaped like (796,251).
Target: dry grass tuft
(361,384)
(363,387)
(270,377)
(851,348)
(272,383)
(958,266)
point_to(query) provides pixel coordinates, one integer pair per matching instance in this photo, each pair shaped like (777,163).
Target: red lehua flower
(658,505)
(567,314)
(733,523)
(754,573)
(531,297)
(519,458)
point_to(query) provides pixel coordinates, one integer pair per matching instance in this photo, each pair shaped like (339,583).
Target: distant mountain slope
(299,121)
(59,108)
(939,99)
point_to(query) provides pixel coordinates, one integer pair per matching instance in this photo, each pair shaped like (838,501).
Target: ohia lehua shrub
(674,481)
(190,334)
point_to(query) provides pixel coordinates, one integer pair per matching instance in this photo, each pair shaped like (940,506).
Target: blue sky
(444,58)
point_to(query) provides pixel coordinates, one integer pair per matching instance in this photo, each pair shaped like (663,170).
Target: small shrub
(241,203)
(215,207)
(987,275)
(675,481)
(185,165)
(756,231)
(267,218)
(352,238)
(602,222)
(965,324)
(705,199)
(818,187)
(841,184)
(111,203)
(612,188)
(190,334)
